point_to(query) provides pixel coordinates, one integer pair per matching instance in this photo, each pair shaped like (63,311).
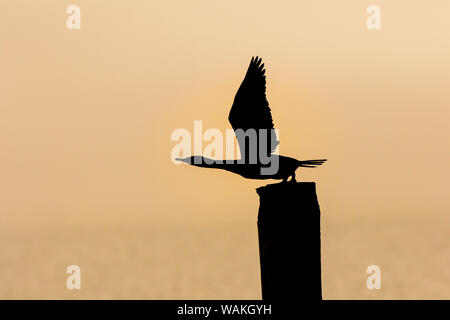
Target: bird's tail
(311,163)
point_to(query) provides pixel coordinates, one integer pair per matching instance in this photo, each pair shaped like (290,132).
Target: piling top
(287,201)
(277,188)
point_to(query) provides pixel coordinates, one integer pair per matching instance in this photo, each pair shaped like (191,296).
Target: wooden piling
(289,242)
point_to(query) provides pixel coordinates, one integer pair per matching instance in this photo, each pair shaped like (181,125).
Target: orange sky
(86,116)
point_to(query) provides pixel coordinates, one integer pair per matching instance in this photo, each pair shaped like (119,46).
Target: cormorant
(250,113)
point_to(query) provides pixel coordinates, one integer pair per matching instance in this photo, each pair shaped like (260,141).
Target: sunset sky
(86,115)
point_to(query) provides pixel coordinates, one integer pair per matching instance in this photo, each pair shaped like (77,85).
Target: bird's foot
(293,179)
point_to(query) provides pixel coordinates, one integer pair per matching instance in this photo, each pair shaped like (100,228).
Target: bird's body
(250,114)
(286,166)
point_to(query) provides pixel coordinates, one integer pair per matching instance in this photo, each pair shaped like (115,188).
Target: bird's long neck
(211,163)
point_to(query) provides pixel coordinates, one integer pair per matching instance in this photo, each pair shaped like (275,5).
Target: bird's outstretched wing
(250,108)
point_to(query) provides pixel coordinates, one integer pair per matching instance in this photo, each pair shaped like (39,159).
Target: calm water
(220,261)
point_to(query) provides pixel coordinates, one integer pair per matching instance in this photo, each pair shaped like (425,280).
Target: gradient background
(85,124)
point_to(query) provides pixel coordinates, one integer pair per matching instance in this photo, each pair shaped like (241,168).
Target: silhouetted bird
(252,122)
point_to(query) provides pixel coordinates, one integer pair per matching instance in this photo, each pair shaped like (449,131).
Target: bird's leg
(293,178)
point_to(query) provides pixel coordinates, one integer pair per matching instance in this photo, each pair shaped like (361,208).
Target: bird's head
(187,160)
(192,160)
